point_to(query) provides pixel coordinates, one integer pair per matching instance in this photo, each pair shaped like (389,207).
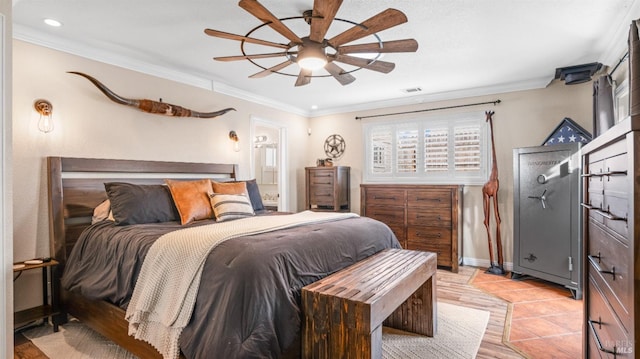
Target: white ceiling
(466,47)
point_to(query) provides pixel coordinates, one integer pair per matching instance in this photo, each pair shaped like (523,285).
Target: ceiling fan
(314,52)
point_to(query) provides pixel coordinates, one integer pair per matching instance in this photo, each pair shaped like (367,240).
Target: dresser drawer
(615,213)
(435,235)
(604,327)
(594,352)
(616,183)
(433,217)
(429,198)
(321,177)
(386,214)
(442,251)
(400,232)
(595,182)
(380,196)
(321,196)
(606,254)
(596,201)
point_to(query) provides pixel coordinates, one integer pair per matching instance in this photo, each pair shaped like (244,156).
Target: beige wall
(87,124)
(523,119)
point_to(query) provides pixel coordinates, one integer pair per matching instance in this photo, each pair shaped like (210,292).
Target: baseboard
(484,263)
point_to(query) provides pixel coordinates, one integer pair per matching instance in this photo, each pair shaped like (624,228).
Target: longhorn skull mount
(151,106)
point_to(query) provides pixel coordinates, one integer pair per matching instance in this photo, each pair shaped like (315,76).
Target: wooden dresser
(327,189)
(423,217)
(611,199)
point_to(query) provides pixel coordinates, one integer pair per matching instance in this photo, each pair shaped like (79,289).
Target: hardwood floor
(455,288)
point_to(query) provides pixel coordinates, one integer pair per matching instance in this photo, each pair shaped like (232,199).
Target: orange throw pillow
(191,199)
(230,188)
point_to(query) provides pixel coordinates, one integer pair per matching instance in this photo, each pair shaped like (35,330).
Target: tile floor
(546,322)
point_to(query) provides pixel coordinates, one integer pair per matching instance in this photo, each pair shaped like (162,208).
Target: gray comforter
(248,304)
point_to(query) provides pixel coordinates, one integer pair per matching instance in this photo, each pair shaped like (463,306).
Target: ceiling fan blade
(226,35)
(338,73)
(271,70)
(245,57)
(319,26)
(382,21)
(380,66)
(304,78)
(256,9)
(407,45)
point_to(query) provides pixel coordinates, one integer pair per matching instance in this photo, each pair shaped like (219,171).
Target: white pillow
(231,206)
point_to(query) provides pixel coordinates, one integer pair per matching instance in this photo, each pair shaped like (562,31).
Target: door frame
(282,162)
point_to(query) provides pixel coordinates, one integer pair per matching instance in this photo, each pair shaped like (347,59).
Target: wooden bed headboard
(76,187)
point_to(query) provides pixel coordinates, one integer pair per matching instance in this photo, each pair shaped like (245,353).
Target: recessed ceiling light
(314,107)
(52,22)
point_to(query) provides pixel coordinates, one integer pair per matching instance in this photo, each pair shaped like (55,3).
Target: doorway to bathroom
(269,165)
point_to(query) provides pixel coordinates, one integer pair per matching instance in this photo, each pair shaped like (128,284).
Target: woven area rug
(460,331)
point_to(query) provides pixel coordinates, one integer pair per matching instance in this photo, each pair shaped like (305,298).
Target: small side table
(47,309)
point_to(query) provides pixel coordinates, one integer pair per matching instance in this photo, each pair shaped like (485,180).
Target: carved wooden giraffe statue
(490,191)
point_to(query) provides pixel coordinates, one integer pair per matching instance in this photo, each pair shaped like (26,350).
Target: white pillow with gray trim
(231,206)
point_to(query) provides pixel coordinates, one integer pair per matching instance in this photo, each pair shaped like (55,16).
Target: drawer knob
(596,265)
(597,337)
(604,213)
(381,197)
(428,199)
(429,235)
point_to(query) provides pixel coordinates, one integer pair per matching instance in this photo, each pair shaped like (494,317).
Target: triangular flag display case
(567,131)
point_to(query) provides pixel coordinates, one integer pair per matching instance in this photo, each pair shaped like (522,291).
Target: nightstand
(50,283)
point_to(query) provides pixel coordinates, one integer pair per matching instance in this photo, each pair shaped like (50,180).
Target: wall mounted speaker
(577,74)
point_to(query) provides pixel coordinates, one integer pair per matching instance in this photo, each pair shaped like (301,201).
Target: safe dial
(542,179)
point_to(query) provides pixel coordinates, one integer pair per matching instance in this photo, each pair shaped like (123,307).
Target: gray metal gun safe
(547,233)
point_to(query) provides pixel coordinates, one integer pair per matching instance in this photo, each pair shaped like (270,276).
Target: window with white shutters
(440,149)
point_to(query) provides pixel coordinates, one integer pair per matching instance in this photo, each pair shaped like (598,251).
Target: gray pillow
(138,204)
(254,195)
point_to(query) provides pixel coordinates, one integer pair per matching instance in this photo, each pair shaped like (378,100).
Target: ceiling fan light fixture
(312,63)
(312,58)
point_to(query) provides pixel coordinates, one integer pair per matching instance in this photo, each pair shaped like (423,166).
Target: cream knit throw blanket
(165,293)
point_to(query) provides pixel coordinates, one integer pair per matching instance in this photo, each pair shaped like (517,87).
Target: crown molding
(261,100)
(93,53)
(43,39)
(618,45)
(532,84)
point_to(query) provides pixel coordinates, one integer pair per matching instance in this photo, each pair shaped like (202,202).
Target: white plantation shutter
(466,148)
(407,150)
(381,149)
(445,149)
(436,149)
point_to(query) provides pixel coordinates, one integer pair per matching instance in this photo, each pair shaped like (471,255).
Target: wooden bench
(344,312)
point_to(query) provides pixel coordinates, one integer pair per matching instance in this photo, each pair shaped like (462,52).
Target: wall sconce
(45,109)
(233,136)
(261,138)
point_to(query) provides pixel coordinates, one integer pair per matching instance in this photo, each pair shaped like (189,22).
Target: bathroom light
(45,109)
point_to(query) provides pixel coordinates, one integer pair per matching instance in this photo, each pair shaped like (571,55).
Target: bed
(227,319)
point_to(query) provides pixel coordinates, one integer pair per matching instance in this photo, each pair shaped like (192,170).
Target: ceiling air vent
(412,90)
